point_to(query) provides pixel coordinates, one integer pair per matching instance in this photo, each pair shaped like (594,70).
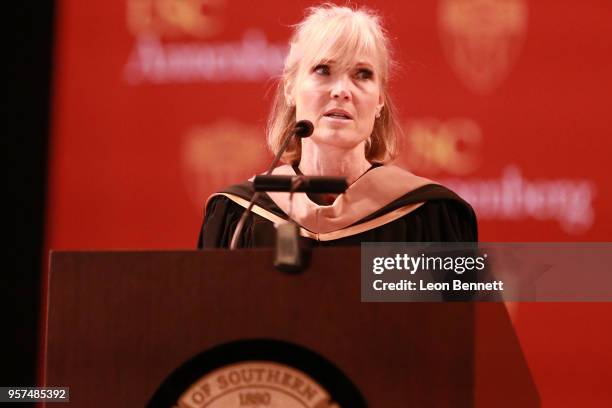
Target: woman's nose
(340,90)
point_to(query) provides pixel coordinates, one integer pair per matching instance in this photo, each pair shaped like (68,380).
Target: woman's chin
(337,138)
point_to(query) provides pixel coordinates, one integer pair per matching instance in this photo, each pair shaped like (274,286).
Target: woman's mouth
(338,114)
(337,117)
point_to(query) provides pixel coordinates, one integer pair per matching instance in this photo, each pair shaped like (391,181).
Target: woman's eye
(321,69)
(364,73)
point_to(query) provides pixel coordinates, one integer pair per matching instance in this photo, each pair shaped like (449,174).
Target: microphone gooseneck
(302,128)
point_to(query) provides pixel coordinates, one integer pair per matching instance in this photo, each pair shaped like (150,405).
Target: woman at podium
(336,76)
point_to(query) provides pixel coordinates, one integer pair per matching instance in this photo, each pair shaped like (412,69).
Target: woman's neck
(332,161)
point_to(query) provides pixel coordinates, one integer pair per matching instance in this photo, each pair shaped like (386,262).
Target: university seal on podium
(257,373)
(256,384)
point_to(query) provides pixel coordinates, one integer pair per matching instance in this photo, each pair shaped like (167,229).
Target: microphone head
(304,128)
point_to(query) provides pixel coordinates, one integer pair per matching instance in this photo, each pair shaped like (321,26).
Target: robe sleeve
(220,220)
(434,221)
(444,221)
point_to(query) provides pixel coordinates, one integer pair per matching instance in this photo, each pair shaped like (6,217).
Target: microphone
(303,128)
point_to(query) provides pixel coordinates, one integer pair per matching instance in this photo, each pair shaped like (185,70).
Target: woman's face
(342,103)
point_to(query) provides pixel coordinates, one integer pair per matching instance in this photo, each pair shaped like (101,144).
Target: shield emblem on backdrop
(175,18)
(482,39)
(221,154)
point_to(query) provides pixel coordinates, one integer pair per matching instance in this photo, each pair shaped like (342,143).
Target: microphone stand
(288,251)
(303,128)
(289,255)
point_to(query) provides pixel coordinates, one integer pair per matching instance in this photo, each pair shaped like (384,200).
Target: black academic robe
(444,217)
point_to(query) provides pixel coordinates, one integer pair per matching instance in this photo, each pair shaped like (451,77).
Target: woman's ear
(379,109)
(381,104)
(288,89)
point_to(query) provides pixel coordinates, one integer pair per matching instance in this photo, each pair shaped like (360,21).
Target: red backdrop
(158,103)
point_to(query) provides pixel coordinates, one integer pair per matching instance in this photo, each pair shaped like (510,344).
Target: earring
(378,115)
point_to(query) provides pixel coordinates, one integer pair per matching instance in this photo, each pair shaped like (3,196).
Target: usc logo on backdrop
(435,146)
(174,18)
(482,39)
(172,45)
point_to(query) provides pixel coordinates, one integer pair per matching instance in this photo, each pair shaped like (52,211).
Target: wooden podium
(120,323)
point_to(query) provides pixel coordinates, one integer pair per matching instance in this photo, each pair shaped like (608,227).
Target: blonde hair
(353,32)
